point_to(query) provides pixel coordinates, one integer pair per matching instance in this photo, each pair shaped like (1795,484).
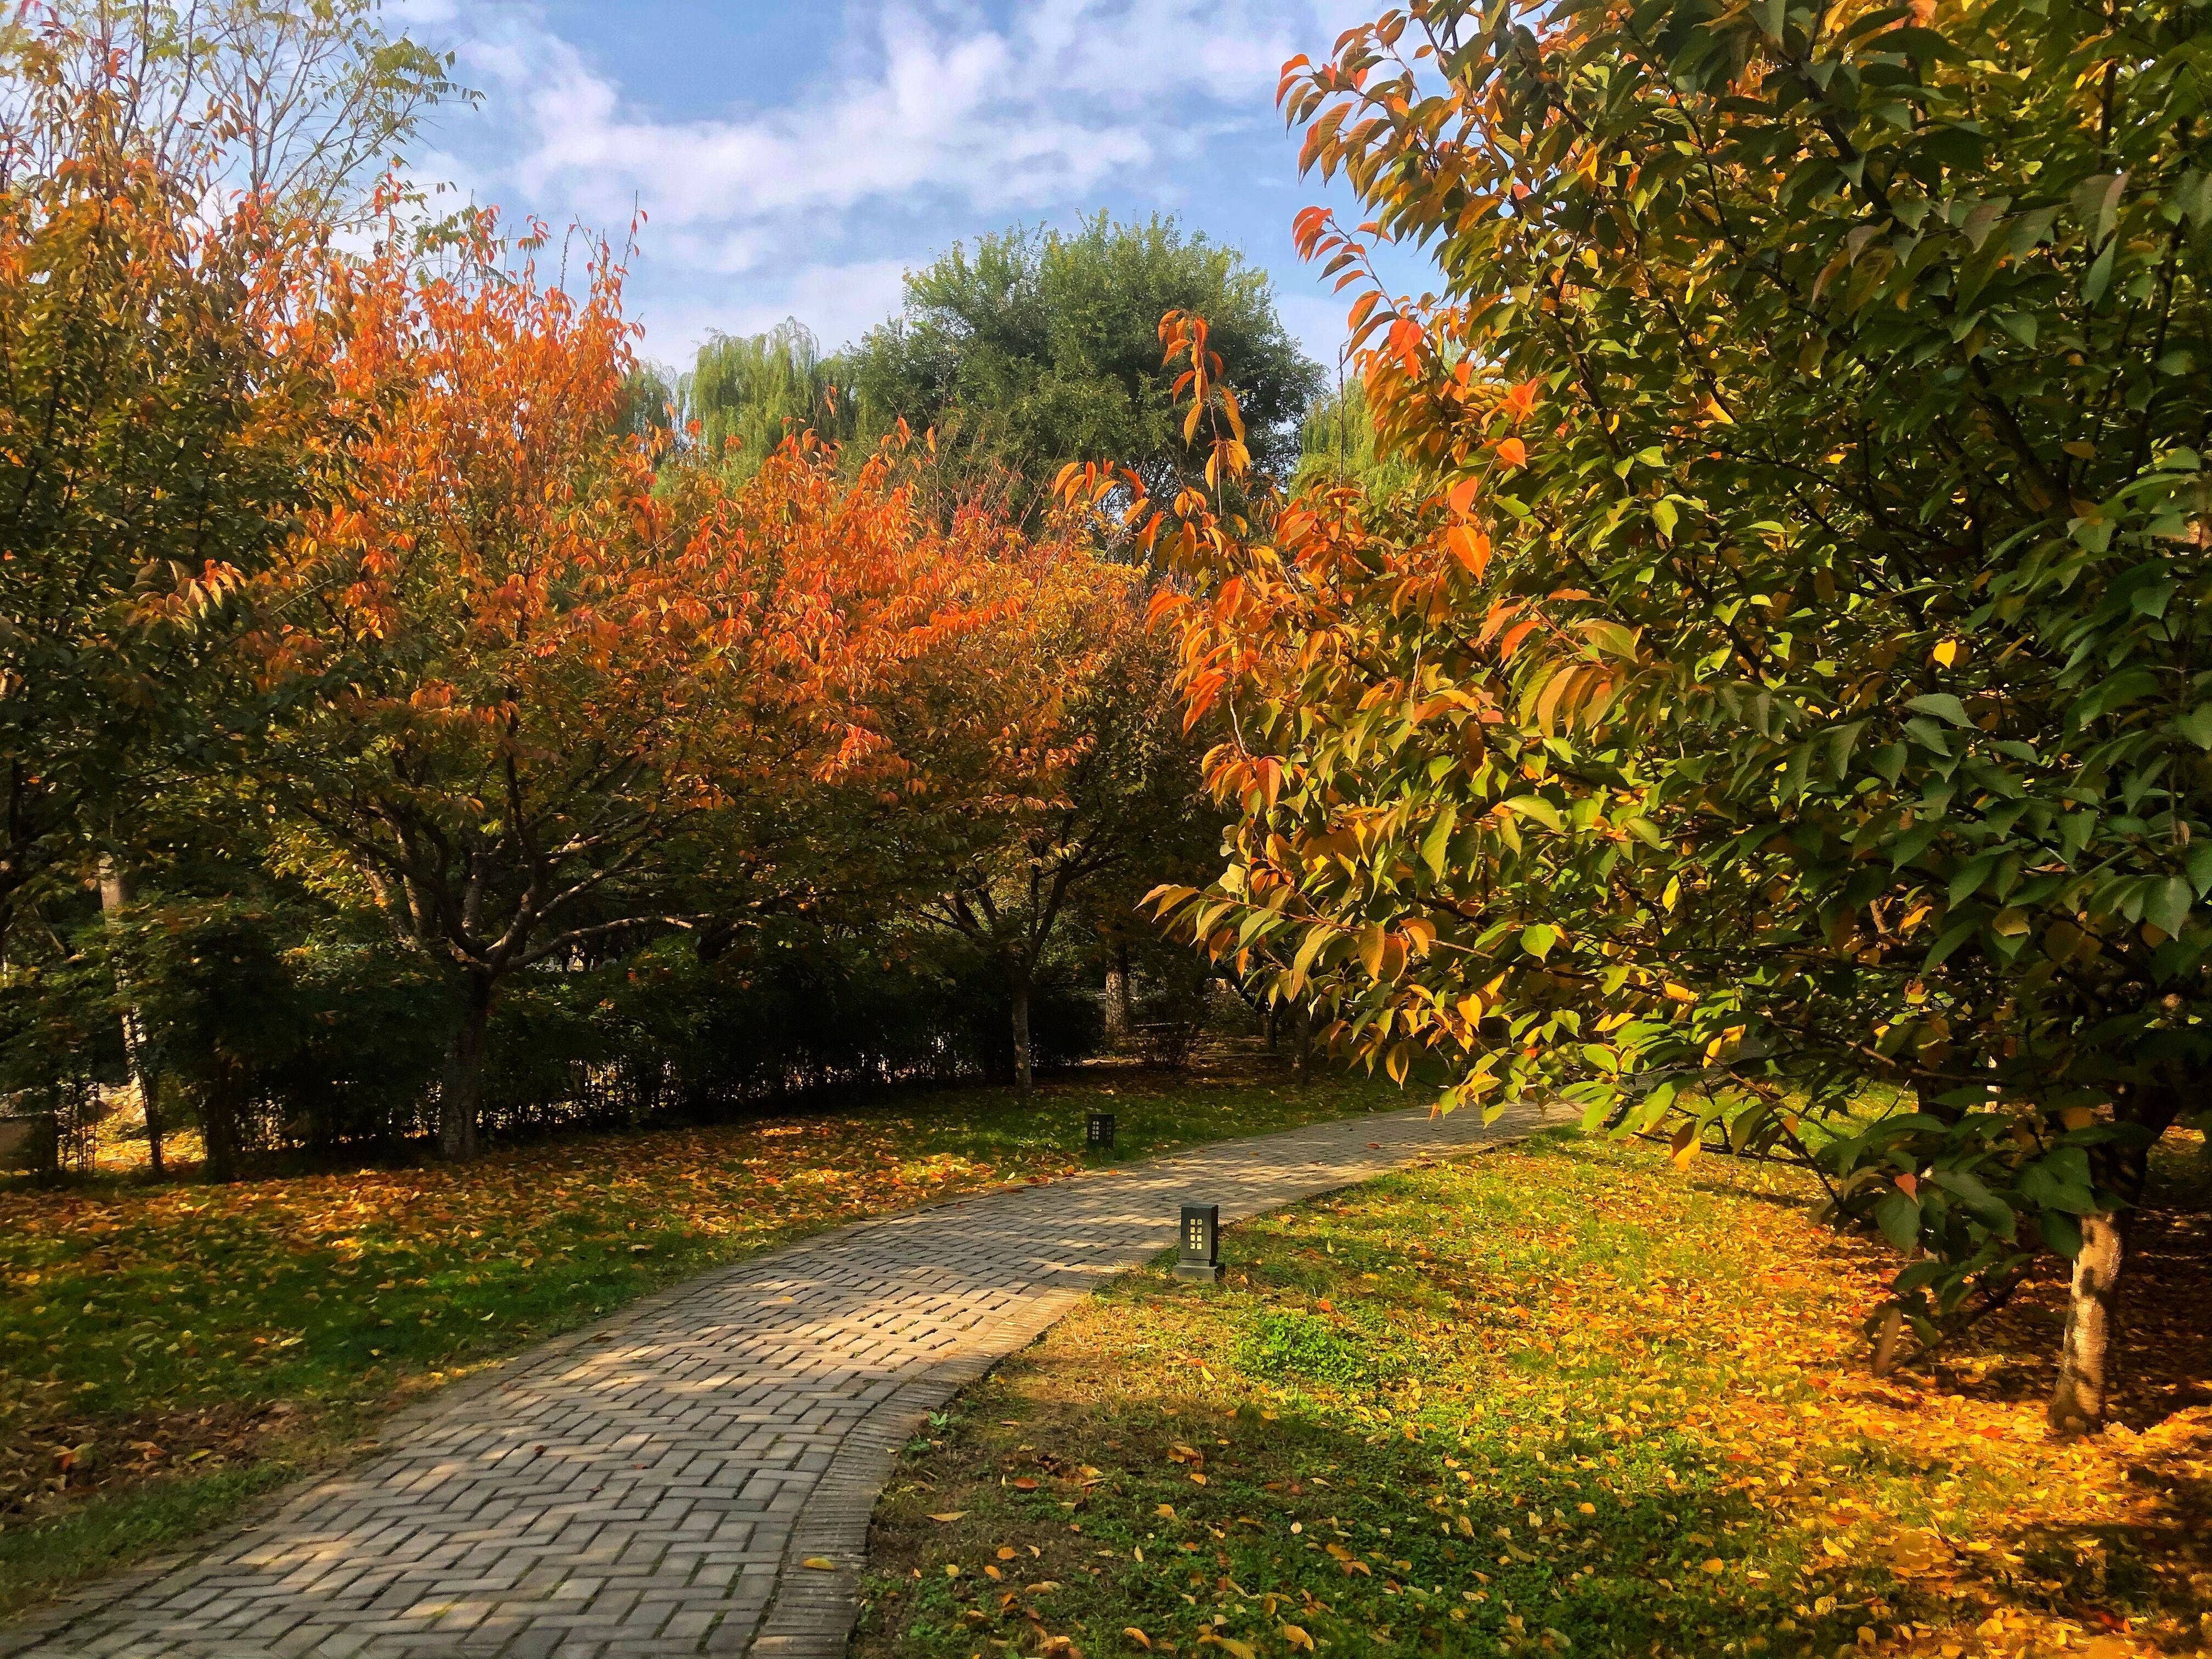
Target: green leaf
(2199,863)
(2100,275)
(1536,807)
(2196,725)
(1942,705)
(1971,876)
(2167,908)
(1437,843)
(1898,1217)
(1956,935)
(1538,941)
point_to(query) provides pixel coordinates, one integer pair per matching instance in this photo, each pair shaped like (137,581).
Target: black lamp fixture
(1098,1131)
(1198,1256)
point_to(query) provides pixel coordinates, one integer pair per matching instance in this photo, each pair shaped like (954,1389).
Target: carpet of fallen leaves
(1559,1400)
(153,1337)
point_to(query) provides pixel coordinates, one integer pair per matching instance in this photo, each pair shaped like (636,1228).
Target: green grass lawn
(167,1352)
(1560,1400)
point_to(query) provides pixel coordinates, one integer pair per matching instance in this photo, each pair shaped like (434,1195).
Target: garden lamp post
(1199,1255)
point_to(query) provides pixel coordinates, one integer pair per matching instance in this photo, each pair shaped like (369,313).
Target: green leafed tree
(747,393)
(1781,727)
(1036,349)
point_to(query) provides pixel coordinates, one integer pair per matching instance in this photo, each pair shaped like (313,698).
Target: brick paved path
(651,1487)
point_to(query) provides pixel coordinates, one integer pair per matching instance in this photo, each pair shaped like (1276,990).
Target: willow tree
(746,393)
(1793,682)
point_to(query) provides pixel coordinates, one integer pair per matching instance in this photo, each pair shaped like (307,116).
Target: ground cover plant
(1549,1400)
(167,1351)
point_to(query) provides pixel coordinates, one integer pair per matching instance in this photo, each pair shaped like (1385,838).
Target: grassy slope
(1557,1400)
(165,1352)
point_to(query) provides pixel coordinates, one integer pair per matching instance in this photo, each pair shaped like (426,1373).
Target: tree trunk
(1120,1011)
(1020,985)
(1302,1062)
(115,895)
(149,1099)
(219,1131)
(460,1091)
(2085,1354)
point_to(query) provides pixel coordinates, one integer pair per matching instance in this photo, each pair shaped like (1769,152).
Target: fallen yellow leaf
(949,1515)
(820,1562)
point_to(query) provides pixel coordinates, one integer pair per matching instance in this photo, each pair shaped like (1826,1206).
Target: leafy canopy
(1792,682)
(155,444)
(1037,348)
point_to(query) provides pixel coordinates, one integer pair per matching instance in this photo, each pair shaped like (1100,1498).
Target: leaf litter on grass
(153,1334)
(1610,1411)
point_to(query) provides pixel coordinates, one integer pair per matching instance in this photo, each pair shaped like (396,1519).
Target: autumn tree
(1058,730)
(1790,684)
(518,664)
(153,451)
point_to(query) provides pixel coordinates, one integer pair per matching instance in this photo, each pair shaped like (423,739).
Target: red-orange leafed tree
(1061,716)
(514,662)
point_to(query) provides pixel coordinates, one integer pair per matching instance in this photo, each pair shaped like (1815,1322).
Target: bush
(665,1034)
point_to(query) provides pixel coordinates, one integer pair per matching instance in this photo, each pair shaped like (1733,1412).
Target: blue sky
(793,160)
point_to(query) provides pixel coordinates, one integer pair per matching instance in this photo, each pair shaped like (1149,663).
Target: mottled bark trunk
(116,895)
(460,1091)
(1120,1018)
(2085,1355)
(1021,996)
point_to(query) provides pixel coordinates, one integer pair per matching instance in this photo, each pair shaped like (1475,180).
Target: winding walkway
(653,1485)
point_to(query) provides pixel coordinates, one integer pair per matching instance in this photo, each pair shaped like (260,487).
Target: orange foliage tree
(514,661)
(1063,727)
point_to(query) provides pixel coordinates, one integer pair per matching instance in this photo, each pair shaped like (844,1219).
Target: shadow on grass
(1555,1401)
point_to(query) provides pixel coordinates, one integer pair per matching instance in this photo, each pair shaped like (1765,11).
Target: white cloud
(1065,95)
(930,110)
